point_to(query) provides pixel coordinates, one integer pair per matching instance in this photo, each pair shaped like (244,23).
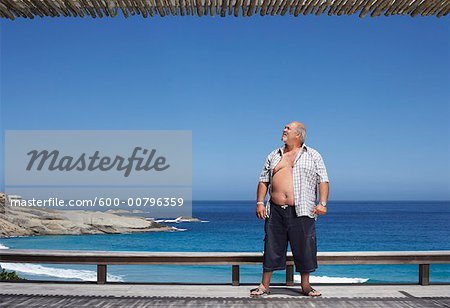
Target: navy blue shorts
(283,226)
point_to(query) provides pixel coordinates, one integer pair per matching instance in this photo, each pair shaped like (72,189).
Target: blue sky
(373,93)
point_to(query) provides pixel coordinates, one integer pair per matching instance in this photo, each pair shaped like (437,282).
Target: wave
(35,269)
(327,279)
(176,220)
(179,229)
(39,270)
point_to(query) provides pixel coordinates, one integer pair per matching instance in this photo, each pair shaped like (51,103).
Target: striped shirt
(309,170)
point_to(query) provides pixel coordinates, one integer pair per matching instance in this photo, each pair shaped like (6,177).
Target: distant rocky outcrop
(26,221)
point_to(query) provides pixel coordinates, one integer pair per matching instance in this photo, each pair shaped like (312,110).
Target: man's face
(289,133)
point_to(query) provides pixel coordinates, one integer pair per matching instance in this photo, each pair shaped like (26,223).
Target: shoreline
(25,222)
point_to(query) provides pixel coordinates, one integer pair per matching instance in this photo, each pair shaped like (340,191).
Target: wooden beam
(27,9)
(424,274)
(117,257)
(237,7)
(123,8)
(312,7)
(430,8)
(438,7)
(235,274)
(35,9)
(4,9)
(444,10)
(191,7)
(159,7)
(334,8)
(13,8)
(264,7)
(286,6)
(101,273)
(367,8)
(141,6)
(251,7)
(298,7)
(130,7)
(345,9)
(104,7)
(149,7)
(212,7)
(323,7)
(380,7)
(97,8)
(289,274)
(275,7)
(171,7)
(218,7)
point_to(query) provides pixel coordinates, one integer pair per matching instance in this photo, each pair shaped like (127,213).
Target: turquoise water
(232,226)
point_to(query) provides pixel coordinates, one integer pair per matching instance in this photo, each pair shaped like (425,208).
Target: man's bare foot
(259,291)
(310,292)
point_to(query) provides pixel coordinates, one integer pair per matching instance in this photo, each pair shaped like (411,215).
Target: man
(292,173)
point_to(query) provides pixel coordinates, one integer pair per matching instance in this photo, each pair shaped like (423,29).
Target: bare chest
(287,162)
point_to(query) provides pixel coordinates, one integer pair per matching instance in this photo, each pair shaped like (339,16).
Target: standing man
(292,173)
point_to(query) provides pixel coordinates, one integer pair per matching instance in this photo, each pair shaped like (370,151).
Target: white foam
(327,279)
(35,269)
(176,220)
(180,229)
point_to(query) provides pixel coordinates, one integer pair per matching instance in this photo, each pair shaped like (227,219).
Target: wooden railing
(235,259)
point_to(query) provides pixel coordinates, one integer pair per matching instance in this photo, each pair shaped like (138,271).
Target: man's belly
(282,188)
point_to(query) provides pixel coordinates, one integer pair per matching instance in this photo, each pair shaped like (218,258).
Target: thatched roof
(148,8)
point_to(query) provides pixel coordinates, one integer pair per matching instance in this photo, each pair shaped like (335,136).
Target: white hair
(302,132)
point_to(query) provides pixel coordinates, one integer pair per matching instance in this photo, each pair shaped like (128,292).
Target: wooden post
(424,274)
(289,275)
(101,273)
(235,275)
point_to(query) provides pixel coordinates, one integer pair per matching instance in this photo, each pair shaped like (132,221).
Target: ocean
(233,226)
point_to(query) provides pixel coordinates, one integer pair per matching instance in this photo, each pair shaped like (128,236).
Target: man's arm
(260,196)
(263,185)
(324,188)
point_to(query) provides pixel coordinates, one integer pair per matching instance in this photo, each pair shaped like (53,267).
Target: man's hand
(261,211)
(320,209)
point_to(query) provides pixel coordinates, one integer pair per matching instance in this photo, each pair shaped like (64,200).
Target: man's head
(294,133)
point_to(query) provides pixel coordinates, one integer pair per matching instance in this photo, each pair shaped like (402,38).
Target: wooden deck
(138,295)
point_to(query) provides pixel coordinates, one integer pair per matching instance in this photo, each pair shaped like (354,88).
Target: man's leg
(302,237)
(264,285)
(266,279)
(306,286)
(275,247)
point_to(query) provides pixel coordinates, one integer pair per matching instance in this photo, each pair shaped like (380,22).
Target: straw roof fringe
(12,9)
